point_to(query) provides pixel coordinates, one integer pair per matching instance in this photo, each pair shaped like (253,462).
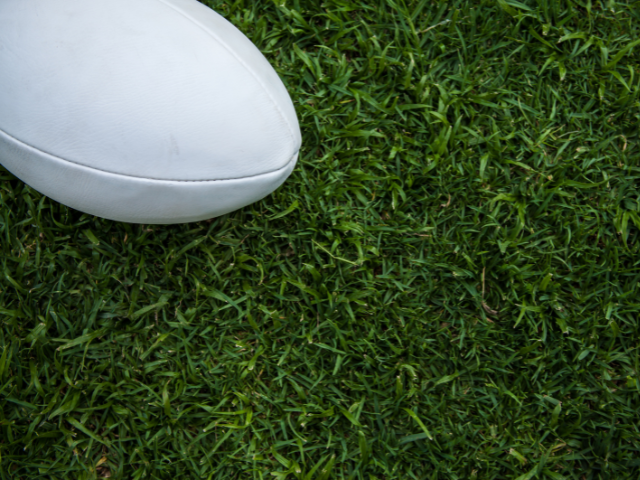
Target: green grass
(447,287)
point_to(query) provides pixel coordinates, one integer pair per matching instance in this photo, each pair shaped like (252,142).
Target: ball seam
(38,150)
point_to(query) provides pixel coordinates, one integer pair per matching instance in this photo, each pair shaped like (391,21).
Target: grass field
(447,287)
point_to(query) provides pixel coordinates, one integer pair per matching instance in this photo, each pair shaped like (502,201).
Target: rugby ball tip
(153,111)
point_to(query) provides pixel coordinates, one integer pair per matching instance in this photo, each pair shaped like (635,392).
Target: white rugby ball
(142,111)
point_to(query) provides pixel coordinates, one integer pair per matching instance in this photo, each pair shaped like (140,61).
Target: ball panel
(143,88)
(247,53)
(132,199)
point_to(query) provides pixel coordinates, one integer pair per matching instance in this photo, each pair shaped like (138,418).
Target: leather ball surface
(142,111)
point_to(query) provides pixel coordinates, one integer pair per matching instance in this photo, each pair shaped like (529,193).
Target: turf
(446,287)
